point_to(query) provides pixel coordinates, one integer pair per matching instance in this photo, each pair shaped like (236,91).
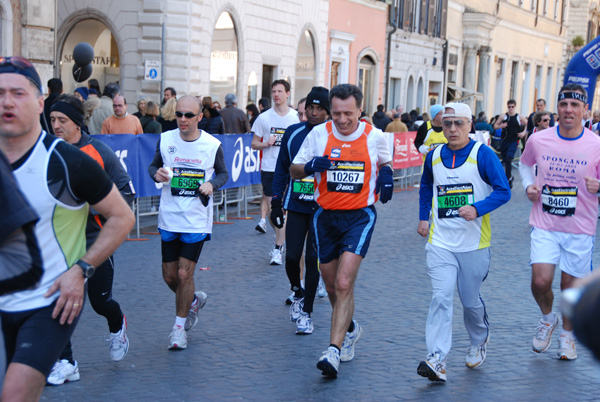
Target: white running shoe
(296,308)
(321,289)
(350,340)
(262,226)
(434,368)
(566,348)
(192,317)
(62,372)
(543,335)
(290,299)
(276,258)
(119,343)
(178,338)
(476,355)
(304,325)
(329,363)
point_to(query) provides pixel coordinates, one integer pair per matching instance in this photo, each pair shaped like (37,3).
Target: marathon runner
(564,214)
(350,161)
(300,206)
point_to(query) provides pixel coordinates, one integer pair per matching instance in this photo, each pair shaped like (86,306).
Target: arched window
(420,96)
(366,69)
(106,64)
(410,94)
(223,59)
(305,67)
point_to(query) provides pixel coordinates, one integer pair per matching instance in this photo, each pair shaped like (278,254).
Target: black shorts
(172,250)
(34,338)
(266,178)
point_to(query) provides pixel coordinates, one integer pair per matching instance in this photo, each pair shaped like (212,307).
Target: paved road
(244,347)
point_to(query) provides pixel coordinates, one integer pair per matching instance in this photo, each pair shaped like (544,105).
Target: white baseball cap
(460,110)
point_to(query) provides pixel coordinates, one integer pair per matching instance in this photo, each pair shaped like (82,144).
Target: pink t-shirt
(565,205)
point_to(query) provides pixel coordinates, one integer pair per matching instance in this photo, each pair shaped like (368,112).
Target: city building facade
(501,50)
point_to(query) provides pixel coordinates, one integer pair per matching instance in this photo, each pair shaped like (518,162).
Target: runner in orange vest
(351,162)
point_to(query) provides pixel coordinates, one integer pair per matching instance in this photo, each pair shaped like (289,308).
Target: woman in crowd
(148,120)
(253,113)
(167,115)
(141,106)
(212,122)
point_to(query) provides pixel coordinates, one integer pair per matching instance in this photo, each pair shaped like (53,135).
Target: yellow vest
(433,138)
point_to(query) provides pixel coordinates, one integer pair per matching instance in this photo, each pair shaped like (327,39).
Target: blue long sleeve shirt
(490,170)
(290,145)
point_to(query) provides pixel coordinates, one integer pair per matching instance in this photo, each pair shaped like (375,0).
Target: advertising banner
(137,151)
(584,67)
(405,153)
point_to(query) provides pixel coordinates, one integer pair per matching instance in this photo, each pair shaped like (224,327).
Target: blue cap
(434,110)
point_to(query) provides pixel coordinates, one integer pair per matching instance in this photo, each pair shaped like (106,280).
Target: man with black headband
(60,183)
(564,214)
(66,118)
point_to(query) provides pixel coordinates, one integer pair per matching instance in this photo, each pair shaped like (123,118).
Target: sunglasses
(188,115)
(457,123)
(22,66)
(545,120)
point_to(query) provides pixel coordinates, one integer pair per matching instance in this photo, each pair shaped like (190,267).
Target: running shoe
(433,368)
(192,317)
(62,372)
(476,355)
(296,308)
(119,343)
(178,338)
(321,289)
(304,325)
(276,258)
(262,226)
(543,335)
(329,363)
(566,348)
(350,340)
(290,299)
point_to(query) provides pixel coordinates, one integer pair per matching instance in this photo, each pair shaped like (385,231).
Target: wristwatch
(88,269)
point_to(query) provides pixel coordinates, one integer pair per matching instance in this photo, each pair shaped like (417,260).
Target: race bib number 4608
(450,197)
(346,177)
(560,201)
(186,182)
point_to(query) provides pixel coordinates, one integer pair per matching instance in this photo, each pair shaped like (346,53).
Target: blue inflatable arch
(584,67)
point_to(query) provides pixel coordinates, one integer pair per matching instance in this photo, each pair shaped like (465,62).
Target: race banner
(584,67)
(405,153)
(137,151)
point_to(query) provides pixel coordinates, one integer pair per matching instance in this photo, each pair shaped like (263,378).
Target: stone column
(484,78)
(469,67)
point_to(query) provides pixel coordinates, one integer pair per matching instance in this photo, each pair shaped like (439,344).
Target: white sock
(549,317)
(302,283)
(263,220)
(566,333)
(180,321)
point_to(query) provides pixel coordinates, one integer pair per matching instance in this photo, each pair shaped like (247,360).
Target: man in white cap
(462,183)
(430,135)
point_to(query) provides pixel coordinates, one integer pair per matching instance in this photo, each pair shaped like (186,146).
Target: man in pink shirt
(564,192)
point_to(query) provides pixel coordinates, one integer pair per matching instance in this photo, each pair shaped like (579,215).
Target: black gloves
(277,212)
(317,164)
(385,184)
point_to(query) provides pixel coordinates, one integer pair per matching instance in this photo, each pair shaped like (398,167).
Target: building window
(305,67)
(410,94)
(366,70)
(223,59)
(335,72)
(555,9)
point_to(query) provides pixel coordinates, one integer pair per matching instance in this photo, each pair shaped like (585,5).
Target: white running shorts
(572,251)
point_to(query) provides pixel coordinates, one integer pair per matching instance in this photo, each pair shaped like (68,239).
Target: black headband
(69,110)
(572,95)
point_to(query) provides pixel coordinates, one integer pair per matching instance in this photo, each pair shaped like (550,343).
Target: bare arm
(258,145)
(297,171)
(500,123)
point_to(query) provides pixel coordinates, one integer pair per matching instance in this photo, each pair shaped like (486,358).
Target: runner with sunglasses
(462,183)
(191,165)
(61,183)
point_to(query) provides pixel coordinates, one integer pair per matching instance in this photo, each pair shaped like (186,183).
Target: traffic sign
(152,70)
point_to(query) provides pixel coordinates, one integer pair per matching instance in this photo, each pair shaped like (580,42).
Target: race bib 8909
(186,182)
(451,197)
